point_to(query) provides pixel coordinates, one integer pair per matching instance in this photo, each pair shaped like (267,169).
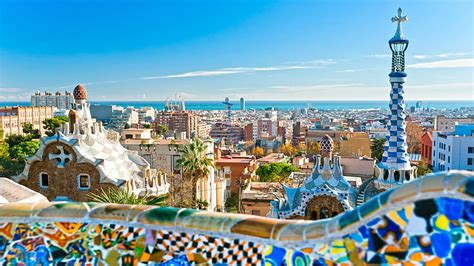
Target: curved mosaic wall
(426,221)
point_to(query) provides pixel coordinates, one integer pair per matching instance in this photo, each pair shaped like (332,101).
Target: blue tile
(441,244)
(452,208)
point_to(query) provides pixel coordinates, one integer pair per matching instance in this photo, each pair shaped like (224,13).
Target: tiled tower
(395,166)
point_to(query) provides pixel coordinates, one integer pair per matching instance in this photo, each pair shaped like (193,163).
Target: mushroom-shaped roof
(326,144)
(80,92)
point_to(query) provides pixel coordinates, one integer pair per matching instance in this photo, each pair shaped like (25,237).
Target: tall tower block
(395,167)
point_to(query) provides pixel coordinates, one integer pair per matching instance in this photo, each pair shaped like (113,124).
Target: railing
(427,220)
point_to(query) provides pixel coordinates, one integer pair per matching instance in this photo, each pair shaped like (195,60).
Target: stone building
(84,157)
(324,193)
(13,118)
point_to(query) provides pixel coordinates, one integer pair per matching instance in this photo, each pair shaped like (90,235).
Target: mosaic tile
(426,231)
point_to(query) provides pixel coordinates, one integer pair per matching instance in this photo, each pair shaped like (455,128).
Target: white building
(454,150)
(58,100)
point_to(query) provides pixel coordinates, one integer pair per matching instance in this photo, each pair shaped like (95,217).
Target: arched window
(84,181)
(385,175)
(314,215)
(397,176)
(407,175)
(43,180)
(324,213)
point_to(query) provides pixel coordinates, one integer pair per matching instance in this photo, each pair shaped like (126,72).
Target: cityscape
(345,173)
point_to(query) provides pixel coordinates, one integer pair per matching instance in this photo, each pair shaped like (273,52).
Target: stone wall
(430,220)
(62,181)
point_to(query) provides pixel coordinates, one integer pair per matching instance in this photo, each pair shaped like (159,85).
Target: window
(469,161)
(470,149)
(84,181)
(44,180)
(255,212)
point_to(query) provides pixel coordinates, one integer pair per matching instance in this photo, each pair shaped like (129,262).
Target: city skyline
(264,51)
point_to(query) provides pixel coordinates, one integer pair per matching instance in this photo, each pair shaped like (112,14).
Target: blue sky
(209,50)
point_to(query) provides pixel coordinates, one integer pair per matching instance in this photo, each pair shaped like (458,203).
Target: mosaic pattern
(428,221)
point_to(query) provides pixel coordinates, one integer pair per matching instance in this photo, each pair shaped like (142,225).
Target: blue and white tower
(395,167)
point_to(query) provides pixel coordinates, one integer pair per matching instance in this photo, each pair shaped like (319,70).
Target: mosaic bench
(428,221)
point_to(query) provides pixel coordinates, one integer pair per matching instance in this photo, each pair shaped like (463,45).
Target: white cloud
(238,70)
(455,63)
(379,56)
(444,55)
(346,71)
(306,88)
(6,90)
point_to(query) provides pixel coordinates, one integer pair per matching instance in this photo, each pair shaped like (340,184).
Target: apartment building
(13,118)
(454,150)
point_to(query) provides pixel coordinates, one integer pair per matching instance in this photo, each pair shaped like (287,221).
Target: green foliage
(9,167)
(162,129)
(231,204)
(201,204)
(377,148)
(13,140)
(24,149)
(127,126)
(28,129)
(146,126)
(123,196)
(195,162)
(423,169)
(53,124)
(4,149)
(275,172)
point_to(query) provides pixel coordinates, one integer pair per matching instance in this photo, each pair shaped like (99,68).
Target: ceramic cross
(62,156)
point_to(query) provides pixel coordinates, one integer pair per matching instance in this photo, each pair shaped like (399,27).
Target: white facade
(58,100)
(454,150)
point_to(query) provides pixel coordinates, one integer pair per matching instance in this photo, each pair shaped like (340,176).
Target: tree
(146,126)
(232,203)
(4,149)
(288,149)
(161,129)
(202,204)
(123,196)
(414,133)
(13,140)
(53,124)
(423,169)
(312,148)
(377,148)
(28,129)
(258,152)
(24,149)
(275,172)
(195,163)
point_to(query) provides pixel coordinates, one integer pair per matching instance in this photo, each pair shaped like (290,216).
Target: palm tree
(124,196)
(195,163)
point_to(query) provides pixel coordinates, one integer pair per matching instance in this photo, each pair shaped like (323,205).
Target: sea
(280,105)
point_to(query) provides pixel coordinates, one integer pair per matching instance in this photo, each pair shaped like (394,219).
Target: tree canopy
(53,124)
(275,172)
(377,148)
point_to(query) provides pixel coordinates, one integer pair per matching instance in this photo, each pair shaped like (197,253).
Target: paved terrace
(426,221)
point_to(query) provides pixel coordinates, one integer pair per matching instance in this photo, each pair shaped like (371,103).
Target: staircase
(361,195)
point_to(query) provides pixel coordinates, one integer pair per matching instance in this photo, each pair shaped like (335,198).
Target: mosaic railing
(426,221)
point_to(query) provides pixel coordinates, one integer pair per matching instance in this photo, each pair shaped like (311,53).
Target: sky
(208,50)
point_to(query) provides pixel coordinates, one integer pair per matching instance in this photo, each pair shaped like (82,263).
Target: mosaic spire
(395,154)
